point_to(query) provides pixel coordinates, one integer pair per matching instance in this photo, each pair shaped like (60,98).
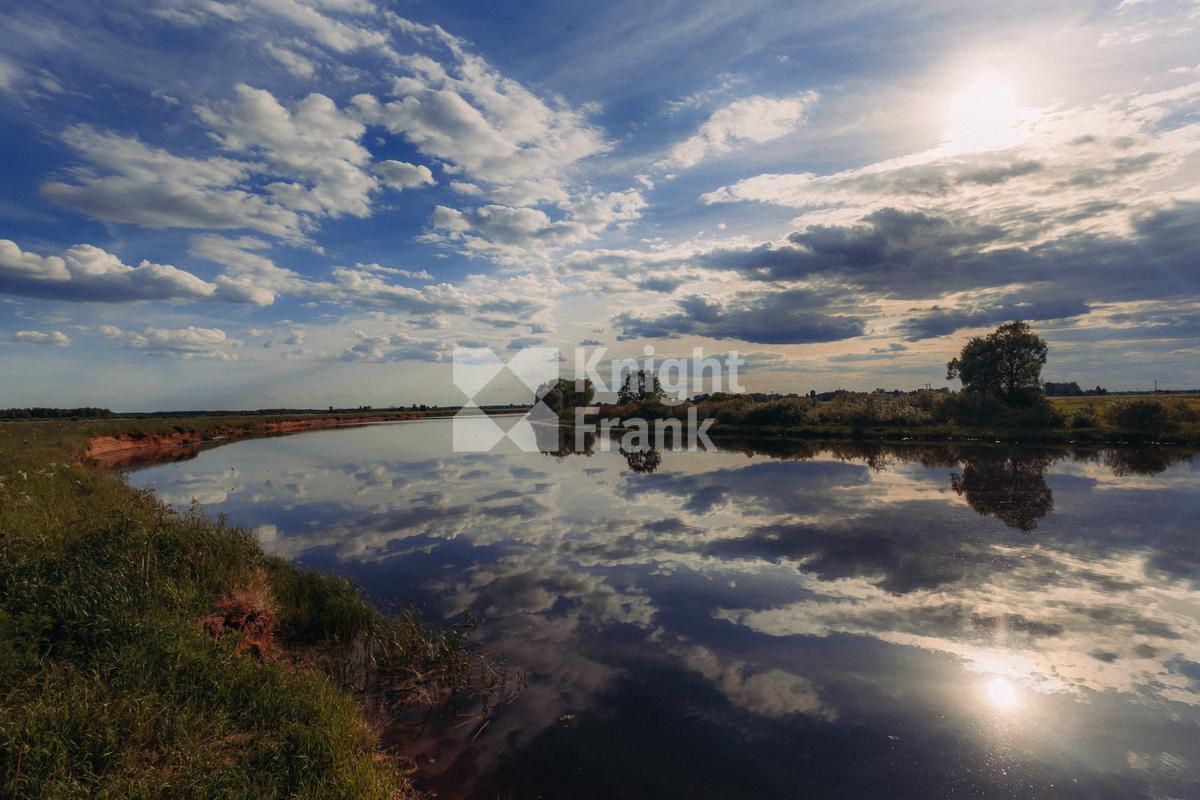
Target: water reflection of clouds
(1065,582)
(1067,635)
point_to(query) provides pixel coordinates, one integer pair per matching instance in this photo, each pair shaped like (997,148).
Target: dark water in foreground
(920,622)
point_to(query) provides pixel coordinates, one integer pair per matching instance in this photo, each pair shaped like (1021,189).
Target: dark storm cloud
(795,316)
(990,176)
(917,255)
(942,321)
(516,307)
(661,284)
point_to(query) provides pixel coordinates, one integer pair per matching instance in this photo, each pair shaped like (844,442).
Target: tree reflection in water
(1011,488)
(642,460)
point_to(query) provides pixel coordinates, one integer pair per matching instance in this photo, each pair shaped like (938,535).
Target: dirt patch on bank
(129,449)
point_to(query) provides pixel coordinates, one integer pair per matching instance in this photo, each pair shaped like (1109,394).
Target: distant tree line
(55,413)
(1072,389)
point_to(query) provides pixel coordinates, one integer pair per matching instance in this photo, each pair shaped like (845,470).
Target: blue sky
(211,203)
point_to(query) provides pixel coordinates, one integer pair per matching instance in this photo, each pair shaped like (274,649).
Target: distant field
(1071,404)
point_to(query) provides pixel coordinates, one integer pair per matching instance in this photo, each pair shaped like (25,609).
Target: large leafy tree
(1006,364)
(563,394)
(641,386)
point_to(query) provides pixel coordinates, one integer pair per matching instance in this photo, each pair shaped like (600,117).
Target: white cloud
(9,76)
(314,146)
(1082,169)
(748,120)
(307,160)
(402,175)
(84,272)
(189,342)
(487,126)
(467,188)
(393,347)
(773,692)
(252,277)
(338,35)
(18,82)
(420,275)
(249,277)
(293,62)
(57,338)
(365,288)
(509,234)
(153,188)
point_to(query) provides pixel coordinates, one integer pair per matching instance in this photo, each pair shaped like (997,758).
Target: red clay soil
(124,448)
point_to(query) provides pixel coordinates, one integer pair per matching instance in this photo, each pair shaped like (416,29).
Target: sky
(263,203)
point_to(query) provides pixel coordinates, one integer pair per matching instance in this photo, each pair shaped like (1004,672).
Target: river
(769,619)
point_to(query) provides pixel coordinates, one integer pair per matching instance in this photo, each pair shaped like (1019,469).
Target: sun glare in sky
(984,116)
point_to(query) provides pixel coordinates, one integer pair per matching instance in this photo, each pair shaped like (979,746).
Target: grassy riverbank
(940,416)
(145,652)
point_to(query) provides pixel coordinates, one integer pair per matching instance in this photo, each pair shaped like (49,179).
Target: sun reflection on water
(1002,695)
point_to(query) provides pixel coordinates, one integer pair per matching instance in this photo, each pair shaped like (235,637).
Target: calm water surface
(925,622)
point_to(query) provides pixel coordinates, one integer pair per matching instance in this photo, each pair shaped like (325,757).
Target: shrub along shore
(146,652)
(936,416)
(1003,397)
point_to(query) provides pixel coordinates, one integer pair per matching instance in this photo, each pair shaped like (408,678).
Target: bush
(969,408)
(1142,416)
(785,411)
(1181,412)
(1085,418)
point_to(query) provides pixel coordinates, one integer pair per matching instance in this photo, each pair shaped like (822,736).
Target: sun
(984,116)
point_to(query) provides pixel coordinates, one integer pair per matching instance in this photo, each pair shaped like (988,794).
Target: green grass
(1073,404)
(109,685)
(934,416)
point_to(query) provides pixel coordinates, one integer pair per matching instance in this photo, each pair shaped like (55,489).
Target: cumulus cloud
(189,342)
(476,121)
(505,233)
(57,338)
(392,347)
(250,276)
(84,272)
(313,145)
(366,288)
(150,187)
(402,175)
(295,165)
(253,277)
(749,120)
